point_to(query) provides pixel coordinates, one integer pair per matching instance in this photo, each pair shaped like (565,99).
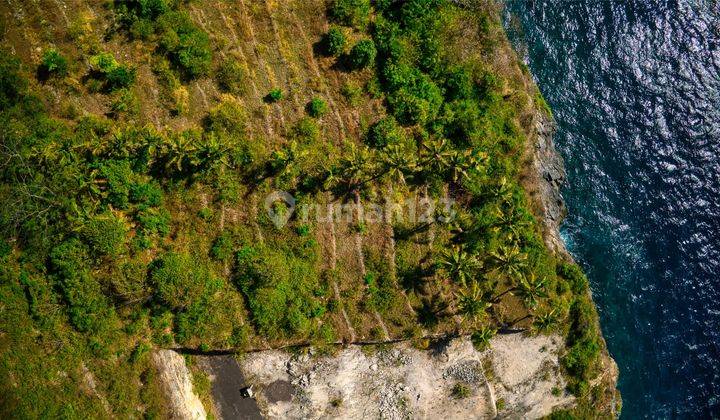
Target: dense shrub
(129,282)
(362,54)
(305,131)
(106,235)
(228,117)
(87,306)
(581,360)
(316,108)
(117,176)
(153,221)
(351,92)
(146,193)
(12,85)
(334,41)
(108,70)
(384,132)
(223,247)
(274,95)
(458,84)
(574,275)
(281,290)
(179,280)
(381,290)
(354,13)
(187,46)
(53,63)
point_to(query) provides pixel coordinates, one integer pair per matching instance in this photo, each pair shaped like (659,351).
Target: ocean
(635,89)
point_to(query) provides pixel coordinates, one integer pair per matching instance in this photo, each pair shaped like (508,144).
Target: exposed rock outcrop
(175,377)
(549,176)
(515,377)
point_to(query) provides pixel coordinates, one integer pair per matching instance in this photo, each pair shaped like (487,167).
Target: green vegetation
(231,76)
(362,54)
(355,13)
(187,46)
(274,95)
(108,71)
(334,41)
(316,108)
(460,391)
(125,231)
(53,63)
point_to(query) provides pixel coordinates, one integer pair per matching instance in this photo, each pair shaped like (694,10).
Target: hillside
(152,150)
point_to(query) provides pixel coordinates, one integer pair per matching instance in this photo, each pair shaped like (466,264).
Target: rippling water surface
(635,87)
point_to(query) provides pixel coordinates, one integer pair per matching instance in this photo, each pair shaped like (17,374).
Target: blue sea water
(635,89)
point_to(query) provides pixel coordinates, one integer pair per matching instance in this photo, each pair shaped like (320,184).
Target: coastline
(544,186)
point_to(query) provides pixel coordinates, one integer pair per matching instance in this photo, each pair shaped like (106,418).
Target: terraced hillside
(153,148)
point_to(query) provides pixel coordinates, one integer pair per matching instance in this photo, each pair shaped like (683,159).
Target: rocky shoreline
(546,187)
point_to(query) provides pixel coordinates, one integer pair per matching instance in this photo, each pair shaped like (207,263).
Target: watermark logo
(280,207)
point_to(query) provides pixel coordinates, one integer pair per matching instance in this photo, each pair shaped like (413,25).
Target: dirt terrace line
(304,344)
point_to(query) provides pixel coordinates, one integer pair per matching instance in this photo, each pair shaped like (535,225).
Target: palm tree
(510,218)
(459,264)
(481,338)
(531,288)
(471,304)
(285,159)
(397,162)
(355,166)
(214,152)
(510,260)
(177,150)
(437,158)
(461,163)
(503,191)
(545,322)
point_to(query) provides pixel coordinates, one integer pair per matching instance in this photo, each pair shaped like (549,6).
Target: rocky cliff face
(545,183)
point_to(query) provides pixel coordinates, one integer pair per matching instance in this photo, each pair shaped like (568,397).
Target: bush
(460,391)
(179,280)
(125,102)
(153,221)
(316,108)
(118,177)
(354,13)
(582,358)
(53,63)
(187,46)
(384,132)
(574,275)
(334,42)
(223,247)
(120,77)
(106,235)
(114,75)
(87,307)
(146,193)
(129,282)
(274,96)
(12,85)
(281,289)
(362,54)
(231,76)
(458,85)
